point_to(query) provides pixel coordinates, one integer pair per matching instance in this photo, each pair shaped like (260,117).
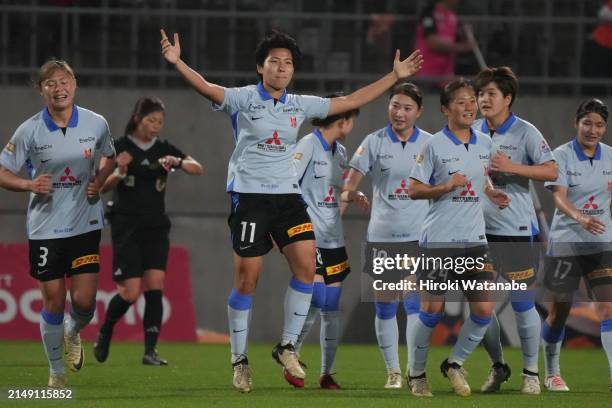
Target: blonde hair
(48,68)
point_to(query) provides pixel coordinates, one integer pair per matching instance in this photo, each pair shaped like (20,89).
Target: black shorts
(516,257)
(449,265)
(256,219)
(332,264)
(140,242)
(52,259)
(562,274)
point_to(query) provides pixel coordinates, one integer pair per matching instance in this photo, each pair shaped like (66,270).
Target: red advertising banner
(21,301)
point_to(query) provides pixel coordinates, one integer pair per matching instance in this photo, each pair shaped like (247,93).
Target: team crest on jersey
(400,193)
(360,151)
(419,158)
(67,180)
(272,144)
(329,201)
(87,153)
(298,156)
(467,195)
(160,184)
(293,121)
(9,148)
(544,148)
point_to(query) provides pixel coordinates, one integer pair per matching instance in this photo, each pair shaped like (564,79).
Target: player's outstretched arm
(40,185)
(401,70)
(592,224)
(172,54)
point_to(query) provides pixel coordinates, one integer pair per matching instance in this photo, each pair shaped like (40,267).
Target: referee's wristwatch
(117,173)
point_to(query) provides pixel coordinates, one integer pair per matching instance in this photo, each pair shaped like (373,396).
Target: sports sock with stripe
(238,311)
(387,334)
(297,303)
(52,334)
(470,336)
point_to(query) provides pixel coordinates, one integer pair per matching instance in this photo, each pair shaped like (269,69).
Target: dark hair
(504,78)
(409,89)
(592,106)
(49,67)
(325,122)
(447,93)
(277,39)
(143,107)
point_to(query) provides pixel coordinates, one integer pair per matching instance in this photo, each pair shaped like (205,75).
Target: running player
(60,147)
(321,165)
(388,156)
(519,153)
(452,172)
(265,195)
(580,243)
(139,223)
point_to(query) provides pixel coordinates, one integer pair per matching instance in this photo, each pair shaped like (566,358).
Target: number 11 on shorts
(244,231)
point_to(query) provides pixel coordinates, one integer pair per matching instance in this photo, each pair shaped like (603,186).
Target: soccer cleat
(326,381)
(419,386)
(73,349)
(153,359)
(456,375)
(555,383)
(242,380)
(394,380)
(531,384)
(287,357)
(102,346)
(57,380)
(499,373)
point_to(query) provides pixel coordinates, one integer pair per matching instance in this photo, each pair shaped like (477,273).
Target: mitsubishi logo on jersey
(400,193)
(274,139)
(467,195)
(330,200)
(591,207)
(272,144)
(468,190)
(293,121)
(67,180)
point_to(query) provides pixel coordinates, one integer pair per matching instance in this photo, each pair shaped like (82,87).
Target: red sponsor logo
(403,189)
(330,196)
(274,139)
(67,177)
(293,121)
(610,185)
(591,205)
(468,191)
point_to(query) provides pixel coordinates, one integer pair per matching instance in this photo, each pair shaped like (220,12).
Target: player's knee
(129,294)
(482,309)
(604,312)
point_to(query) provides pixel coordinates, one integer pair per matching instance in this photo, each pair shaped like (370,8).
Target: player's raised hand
(502,163)
(409,66)
(592,224)
(360,200)
(41,184)
(457,180)
(171,52)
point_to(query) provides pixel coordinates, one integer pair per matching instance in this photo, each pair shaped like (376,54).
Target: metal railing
(116,42)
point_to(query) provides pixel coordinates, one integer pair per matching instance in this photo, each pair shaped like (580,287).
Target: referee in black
(139,223)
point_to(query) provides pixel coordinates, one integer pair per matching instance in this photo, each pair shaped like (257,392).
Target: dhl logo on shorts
(600,273)
(488,267)
(298,229)
(521,275)
(86,260)
(336,269)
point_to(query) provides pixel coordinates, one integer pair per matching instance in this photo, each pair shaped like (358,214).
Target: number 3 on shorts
(244,231)
(44,251)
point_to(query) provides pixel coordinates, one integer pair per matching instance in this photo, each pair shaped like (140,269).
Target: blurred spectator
(597,57)
(440,37)
(379,42)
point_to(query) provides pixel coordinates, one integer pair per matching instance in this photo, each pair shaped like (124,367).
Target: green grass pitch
(200,375)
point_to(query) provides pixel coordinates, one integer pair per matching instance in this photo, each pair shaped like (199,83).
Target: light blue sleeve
(363,159)
(234,100)
(538,150)
(106,141)
(561,158)
(17,150)
(303,156)
(425,162)
(314,106)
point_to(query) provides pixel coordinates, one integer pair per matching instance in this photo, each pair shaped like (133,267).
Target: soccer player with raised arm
(388,156)
(452,172)
(519,153)
(262,181)
(580,242)
(60,147)
(322,164)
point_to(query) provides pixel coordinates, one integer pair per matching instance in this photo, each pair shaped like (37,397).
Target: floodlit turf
(200,375)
